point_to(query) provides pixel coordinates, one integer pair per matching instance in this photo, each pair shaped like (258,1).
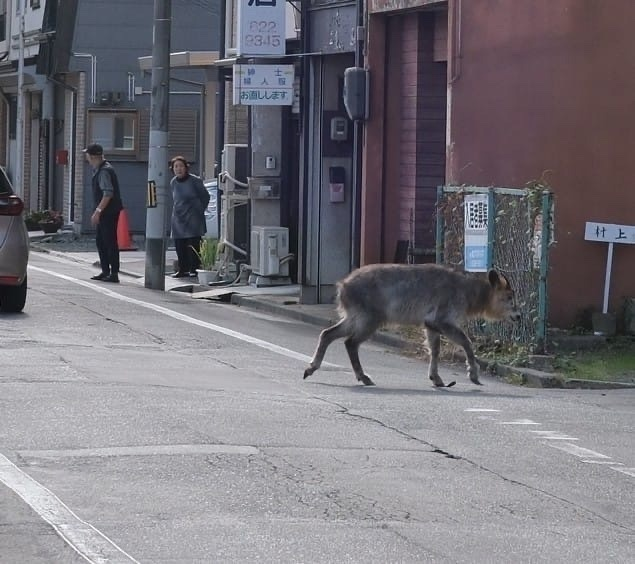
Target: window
(115,131)
(3,20)
(35,4)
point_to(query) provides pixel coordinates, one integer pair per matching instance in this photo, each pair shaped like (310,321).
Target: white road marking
(519,422)
(586,455)
(627,471)
(146,450)
(86,540)
(271,347)
(578,451)
(554,436)
(481,410)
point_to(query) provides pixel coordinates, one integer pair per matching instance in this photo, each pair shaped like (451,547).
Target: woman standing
(190,199)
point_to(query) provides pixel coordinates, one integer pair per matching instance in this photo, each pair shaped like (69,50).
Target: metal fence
(510,230)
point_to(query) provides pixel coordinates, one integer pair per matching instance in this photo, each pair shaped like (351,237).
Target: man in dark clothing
(108,204)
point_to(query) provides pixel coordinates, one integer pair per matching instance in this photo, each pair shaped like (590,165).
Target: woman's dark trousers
(188,259)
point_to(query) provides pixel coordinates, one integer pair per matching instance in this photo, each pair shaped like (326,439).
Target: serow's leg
(326,338)
(352,348)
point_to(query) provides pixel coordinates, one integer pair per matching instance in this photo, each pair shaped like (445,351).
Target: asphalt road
(140,426)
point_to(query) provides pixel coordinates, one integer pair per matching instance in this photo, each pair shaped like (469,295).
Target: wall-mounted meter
(339,128)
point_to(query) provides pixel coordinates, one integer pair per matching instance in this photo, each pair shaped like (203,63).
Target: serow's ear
(494,278)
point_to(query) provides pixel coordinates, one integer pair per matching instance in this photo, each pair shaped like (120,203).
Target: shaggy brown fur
(434,296)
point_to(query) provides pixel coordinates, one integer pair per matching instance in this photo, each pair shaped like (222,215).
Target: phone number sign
(261,27)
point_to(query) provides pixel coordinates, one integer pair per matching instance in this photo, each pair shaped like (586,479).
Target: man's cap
(94,149)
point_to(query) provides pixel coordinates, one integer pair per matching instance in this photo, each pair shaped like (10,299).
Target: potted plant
(32,220)
(207,255)
(50,221)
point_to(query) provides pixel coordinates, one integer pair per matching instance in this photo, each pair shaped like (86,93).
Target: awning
(184,60)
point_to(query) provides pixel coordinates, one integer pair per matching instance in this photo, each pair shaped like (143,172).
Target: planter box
(205,277)
(51,226)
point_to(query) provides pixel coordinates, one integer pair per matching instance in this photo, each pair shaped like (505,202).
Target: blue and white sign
(476,235)
(263,85)
(261,27)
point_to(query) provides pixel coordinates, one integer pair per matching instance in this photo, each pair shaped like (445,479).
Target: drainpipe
(220,107)
(304,167)
(356,219)
(93,74)
(19,136)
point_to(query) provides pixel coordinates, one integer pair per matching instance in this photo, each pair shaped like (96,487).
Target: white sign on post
(609,233)
(261,27)
(476,236)
(263,85)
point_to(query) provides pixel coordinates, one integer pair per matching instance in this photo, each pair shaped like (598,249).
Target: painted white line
(627,471)
(187,319)
(149,450)
(482,410)
(86,540)
(519,422)
(578,451)
(605,462)
(554,436)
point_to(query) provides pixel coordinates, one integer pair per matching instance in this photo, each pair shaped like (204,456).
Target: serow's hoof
(437,382)
(366,381)
(307,373)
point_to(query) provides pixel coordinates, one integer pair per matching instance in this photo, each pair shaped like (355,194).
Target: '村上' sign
(261,27)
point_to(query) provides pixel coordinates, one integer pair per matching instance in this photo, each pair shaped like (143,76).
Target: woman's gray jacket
(190,199)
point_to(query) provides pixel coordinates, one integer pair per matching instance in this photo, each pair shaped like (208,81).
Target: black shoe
(100,276)
(180,275)
(111,278)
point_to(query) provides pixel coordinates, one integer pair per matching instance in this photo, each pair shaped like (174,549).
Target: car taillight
(11,205)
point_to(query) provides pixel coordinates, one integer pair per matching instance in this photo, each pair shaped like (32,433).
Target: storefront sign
(263,85)
(261,27)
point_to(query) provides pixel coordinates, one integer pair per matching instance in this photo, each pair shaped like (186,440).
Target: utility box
(235,164)
(268,246)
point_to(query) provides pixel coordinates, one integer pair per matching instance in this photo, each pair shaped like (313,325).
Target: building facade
(516,93)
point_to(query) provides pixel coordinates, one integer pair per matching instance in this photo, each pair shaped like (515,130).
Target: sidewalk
(283,301)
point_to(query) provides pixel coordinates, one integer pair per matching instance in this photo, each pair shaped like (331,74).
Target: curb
(66,256)
(529,377)
(538,379)
(381,337)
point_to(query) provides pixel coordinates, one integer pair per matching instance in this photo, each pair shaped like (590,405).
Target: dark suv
(14,248)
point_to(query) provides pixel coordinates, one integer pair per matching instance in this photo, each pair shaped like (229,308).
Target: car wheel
(13,298)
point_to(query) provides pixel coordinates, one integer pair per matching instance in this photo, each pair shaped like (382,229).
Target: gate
(519,228)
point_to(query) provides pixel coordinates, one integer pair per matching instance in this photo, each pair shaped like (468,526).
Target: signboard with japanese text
(609,233)
(261,27)
(263,85)
(476,233)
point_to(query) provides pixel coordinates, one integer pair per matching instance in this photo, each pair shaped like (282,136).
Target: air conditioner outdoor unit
(268,246)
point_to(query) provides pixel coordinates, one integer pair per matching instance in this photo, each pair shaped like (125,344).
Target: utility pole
(19,134)
(156,214)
